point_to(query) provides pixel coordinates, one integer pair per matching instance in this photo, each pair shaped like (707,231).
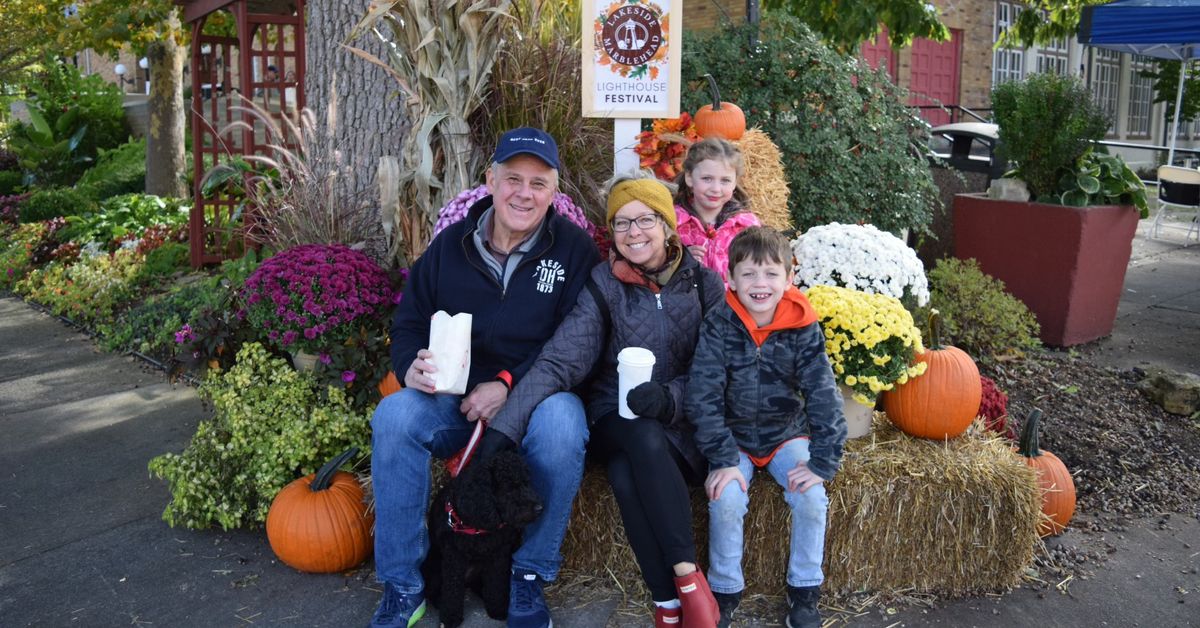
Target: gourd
(720,119)
(1058,488)
(943,401)
(319,523)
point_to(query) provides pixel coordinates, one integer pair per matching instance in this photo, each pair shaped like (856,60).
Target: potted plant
(327,305)
(871,342)
(1065,252)
(860,257)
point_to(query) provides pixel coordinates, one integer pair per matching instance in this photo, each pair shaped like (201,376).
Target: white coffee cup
(635,366)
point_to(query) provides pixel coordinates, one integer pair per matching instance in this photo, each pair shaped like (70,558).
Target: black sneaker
(802,607)
(727,602)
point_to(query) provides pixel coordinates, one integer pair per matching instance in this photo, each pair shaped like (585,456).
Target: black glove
(492,443)
(652,401)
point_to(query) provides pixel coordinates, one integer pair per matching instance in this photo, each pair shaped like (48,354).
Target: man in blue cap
(517,268)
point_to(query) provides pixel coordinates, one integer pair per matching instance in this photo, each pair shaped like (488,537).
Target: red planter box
(1066,263)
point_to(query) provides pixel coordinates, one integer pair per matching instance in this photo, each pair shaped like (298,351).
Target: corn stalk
(441,53)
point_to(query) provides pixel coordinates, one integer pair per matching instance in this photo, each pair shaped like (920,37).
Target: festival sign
(631,58)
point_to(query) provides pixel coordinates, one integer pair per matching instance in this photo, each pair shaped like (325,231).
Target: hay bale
(905,514)
(765,181)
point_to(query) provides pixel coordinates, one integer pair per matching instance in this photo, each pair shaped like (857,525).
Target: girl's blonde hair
(716,149)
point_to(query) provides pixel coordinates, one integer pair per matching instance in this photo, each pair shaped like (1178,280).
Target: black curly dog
(476,521)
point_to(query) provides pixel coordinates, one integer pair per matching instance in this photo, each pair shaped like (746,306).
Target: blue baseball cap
(528,141)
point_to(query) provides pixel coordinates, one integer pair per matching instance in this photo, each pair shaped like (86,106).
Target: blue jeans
(727,513)
(410,427)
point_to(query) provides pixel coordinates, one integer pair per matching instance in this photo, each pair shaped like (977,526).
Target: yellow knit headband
(649,191)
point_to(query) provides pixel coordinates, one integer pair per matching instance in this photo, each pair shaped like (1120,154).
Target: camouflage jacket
(741,396)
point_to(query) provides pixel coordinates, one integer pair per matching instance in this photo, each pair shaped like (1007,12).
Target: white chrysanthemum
(860,257)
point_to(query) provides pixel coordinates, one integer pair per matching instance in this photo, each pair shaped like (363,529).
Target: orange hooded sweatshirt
(793,312)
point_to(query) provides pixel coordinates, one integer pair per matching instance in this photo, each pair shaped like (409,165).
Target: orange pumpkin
(720,119)
(1058,488)
(942,402)
(319,523)
(389,385)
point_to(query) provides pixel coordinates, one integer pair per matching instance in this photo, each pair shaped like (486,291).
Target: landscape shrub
(10,182)
(123,217)
(62,90)
(852,150)
(978,315)
(164,261)
(121,170)
(55,202)
(269,426)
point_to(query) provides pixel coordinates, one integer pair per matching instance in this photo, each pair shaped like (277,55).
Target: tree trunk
(165,162)
(371,120)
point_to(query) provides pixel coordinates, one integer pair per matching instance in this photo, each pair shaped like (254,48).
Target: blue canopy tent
(1165,29)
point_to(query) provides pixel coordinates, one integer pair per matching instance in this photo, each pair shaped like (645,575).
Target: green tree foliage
(844,24)
(852,151)
(1043,21)
(1166,84)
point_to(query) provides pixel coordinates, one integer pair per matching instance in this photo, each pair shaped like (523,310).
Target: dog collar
(456,524)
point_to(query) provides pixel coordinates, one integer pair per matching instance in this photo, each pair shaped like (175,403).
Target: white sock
(668,604)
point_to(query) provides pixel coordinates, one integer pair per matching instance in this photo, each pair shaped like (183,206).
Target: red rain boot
(667,617)
(700,608)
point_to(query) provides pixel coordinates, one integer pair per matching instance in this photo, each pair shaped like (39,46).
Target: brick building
(960,73)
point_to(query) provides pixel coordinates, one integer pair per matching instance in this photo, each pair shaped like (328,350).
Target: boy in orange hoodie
(761,394)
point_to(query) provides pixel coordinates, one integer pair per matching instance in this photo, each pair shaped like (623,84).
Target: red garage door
(935,75)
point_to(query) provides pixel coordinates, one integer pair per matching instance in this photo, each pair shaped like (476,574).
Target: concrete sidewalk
(82,542)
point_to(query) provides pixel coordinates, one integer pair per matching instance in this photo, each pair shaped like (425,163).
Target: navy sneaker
(526,604)
(398,610)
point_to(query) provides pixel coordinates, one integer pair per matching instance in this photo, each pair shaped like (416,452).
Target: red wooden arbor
(258,56)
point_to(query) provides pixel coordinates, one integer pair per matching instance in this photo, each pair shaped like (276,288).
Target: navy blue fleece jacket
(509,325)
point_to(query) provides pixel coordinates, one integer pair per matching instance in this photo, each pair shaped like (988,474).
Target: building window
(1008,64)
(1052,58)
(1141,94)
(1106,80)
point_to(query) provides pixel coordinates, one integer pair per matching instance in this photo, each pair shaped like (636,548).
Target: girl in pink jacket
(710,206)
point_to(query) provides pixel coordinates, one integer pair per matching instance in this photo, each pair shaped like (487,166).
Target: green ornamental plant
(269,426)
(1048,128)
(120,170)
(978,315)
(53,202)
(853,152)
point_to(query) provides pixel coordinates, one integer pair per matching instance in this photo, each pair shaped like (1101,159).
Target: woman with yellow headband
(649,294)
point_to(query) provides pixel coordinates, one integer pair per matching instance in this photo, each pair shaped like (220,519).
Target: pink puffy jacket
(715,241)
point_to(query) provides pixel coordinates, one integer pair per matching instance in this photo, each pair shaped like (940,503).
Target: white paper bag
(450,343)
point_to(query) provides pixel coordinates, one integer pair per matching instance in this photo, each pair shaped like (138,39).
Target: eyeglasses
(643,222)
